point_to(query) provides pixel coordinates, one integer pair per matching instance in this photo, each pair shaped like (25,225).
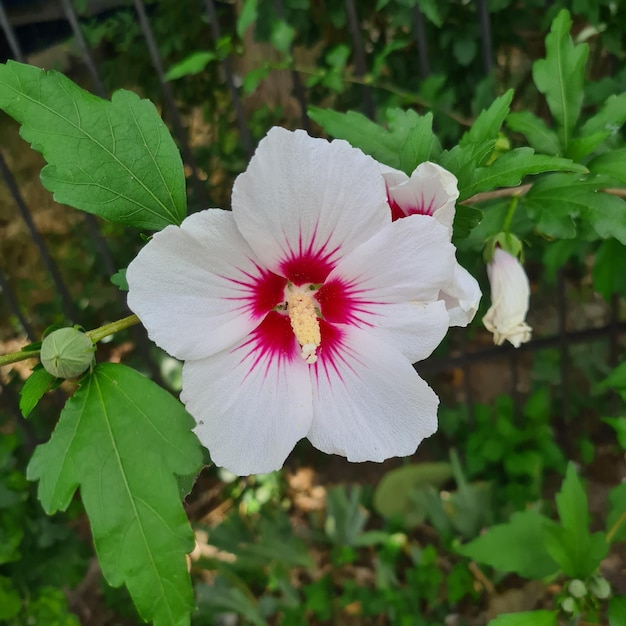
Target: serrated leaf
(463,161)
(419,142)
(489,121)
(190,65)
(514,547)
(571,503)
(617,611)
(560,76)
(509,169)
(526,618)
(571,545)
(122,439)
(466,219)
(611,117)
(113,159)
(539,136)
(557,200)
(407,141)
(34,387)
(611,164)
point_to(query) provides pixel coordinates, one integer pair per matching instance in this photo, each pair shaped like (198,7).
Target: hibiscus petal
(197,288)
(387,283)
(431,190)
(369,404)
(252,403)
(462,297)
(306,202)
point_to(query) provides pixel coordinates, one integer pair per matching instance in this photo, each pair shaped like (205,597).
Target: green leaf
(463,161)
(190,65)
(571,545)
(571,503)
(282,36)
(114,159)
(557,200)
(539,136)
(608,269)
(526,618)
(420,140)
(35,386)
(560,76)
(611,164)
(509,169)
(139,527)
(617,611)
(119,280)
(611,117)
(394,494)
(616,380)
(247,16)
(466,219)
(230,599)
(408,140)
(514,547)
(10,601)
(584,145)
(488,123)
(618,424)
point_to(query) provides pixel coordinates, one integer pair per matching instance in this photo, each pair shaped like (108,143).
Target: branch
(95,335)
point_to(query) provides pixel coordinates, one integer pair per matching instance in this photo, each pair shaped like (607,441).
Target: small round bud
(67,353)
(600,587)
(568,605)
(577,588)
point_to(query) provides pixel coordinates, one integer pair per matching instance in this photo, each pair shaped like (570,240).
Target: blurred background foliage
(323,541)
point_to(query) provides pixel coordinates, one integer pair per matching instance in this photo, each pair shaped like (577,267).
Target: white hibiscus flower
(299,313)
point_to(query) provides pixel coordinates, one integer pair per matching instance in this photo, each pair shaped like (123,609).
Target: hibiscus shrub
(298,313)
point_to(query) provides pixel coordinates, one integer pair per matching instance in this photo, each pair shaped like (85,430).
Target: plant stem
(95,335)
(620,520)
(506,227)
(110,329)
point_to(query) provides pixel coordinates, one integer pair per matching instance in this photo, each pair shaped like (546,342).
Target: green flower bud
(67,353)
(600,587)
(568,605)
(577,588)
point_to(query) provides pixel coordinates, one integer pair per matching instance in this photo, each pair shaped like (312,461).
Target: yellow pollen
(305,324)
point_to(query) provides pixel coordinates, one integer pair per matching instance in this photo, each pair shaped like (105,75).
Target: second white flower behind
(299,313)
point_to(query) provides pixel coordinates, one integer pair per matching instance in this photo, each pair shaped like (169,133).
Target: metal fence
(464,358)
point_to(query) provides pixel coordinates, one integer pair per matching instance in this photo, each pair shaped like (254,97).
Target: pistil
(302,309)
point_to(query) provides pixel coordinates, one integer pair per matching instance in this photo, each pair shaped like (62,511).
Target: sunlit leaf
(122,439)
(488,123)
(190,65)
(114,159)
(526,618)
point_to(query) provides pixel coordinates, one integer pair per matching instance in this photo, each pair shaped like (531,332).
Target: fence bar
(246,138)
(10,34)
(295,76)
(359,57)
(485,30)
(563,344)
(419,31)
(67,304)
(70,14)
(435,365)
(200,192)
(13,304)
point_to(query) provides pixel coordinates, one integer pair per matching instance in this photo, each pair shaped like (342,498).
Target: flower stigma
(303,310)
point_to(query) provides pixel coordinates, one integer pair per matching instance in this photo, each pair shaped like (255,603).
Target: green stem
(613,530)
(95,335)
(506,227)
(110,329)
